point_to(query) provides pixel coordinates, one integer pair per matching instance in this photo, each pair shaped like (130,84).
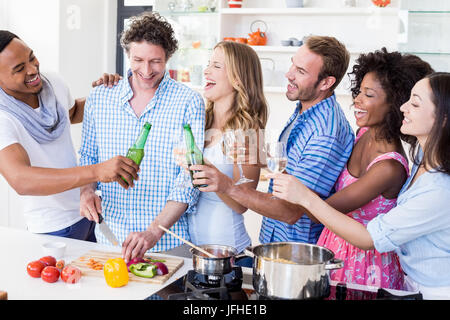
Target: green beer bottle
(136,152)
(193,153)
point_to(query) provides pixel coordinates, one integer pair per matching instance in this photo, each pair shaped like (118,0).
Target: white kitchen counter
(19,247)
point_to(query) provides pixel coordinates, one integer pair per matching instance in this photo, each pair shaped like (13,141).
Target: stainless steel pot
(214,266)
(305,278)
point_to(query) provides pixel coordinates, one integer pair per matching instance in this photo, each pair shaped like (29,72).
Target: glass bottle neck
(140,142)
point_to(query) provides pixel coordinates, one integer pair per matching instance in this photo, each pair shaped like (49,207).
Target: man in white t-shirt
(37,156)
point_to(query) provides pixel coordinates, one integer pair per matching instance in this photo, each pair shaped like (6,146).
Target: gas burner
(232,280)
(206,287)
(193,293)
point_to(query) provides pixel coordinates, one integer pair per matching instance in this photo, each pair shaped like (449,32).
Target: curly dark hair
(153,28)
(397,74)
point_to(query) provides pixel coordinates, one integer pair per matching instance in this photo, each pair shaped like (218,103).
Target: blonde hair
(249,108)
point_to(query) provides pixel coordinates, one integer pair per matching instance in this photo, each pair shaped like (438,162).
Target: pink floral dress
(365,267)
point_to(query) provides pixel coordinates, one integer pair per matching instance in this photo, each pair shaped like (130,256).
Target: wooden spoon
(188,243)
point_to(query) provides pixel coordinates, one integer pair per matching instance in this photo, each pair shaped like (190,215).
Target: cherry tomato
(60,264)
(70,274)
(50,274)
(34,268)
(48,261)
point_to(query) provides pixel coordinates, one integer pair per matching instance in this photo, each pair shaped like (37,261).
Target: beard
(304,94)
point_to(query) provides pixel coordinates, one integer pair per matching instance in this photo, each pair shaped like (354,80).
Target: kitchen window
(125,10)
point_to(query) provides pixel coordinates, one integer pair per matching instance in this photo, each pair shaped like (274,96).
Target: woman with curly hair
(234,101)
(377,168)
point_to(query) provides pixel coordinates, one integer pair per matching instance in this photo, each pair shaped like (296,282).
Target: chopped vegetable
(95,265)
(150,260)
(144,270)
(161,268)
(135,261)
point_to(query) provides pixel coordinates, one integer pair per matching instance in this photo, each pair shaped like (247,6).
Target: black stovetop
(195,286)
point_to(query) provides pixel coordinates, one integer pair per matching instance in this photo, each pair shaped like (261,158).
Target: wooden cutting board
(173,264)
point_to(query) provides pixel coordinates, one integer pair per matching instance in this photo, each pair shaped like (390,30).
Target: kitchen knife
(104,227)
(106,230)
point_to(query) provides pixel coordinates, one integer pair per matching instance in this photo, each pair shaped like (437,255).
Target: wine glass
(179,153)
(235,149)
(276,157)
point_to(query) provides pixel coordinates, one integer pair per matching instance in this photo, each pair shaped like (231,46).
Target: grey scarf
(44,127)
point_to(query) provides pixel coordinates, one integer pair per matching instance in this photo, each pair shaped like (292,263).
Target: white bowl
(54,249)
(294,3)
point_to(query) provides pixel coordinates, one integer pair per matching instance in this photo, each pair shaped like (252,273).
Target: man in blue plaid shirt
(113,119)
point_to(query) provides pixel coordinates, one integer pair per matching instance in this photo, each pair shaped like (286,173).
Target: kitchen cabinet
(201,23)
(319,18)
(197,31)
(424,31)
(362,28)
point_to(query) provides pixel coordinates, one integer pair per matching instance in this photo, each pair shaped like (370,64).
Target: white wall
(40,32)
(36,23)
(75,38)
(87,46)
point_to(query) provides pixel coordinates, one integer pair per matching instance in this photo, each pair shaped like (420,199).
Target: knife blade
(106,230)
(104,227)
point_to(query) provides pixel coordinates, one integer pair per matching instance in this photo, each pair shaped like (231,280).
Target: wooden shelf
(277,49)
(310,11)
(293,49)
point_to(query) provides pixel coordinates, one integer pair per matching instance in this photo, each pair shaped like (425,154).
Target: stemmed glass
(276,157)
(179,153)
(235,149)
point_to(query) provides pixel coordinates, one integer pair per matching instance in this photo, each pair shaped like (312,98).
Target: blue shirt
(418,229)
(318,148)
(110,127)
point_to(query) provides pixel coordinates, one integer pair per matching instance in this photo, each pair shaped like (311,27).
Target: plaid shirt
(318,148)
(110,127)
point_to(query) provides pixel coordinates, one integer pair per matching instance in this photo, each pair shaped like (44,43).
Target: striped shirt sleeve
(89,149)
(320,164)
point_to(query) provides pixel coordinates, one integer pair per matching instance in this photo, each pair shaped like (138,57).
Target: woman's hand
(211,176)
(289,188)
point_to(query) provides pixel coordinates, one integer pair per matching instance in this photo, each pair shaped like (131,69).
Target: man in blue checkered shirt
(114,118)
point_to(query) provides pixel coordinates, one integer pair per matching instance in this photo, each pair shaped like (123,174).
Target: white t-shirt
(45,214)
